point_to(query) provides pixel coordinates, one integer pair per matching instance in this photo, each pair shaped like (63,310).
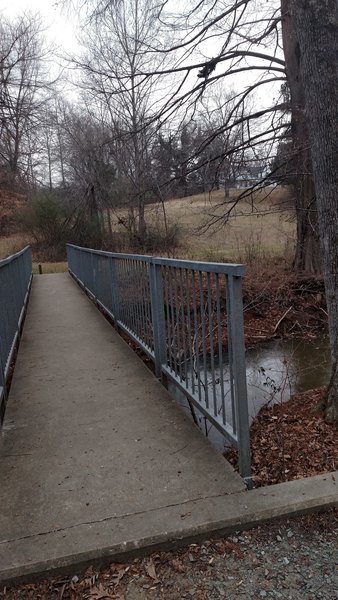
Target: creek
(275,371)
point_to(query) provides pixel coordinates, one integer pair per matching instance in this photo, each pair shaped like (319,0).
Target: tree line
(103,151)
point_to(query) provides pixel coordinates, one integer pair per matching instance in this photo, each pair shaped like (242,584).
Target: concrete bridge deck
(96,458)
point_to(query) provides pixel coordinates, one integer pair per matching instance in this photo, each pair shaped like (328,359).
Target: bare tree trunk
(49,157)
(307,256)
(109,224)
(316,28)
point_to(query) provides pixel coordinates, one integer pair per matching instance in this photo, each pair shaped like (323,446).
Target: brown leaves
(151,570)
(178,566)
(119,571)
(291,440)
(101,593)
(226,546)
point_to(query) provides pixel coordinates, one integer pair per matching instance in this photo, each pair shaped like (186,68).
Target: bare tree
(243,40)
(118,40)
(23,86)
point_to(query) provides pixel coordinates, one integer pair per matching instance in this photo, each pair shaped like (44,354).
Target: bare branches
(24,89)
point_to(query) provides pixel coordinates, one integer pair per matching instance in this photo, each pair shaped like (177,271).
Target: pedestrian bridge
(95,453)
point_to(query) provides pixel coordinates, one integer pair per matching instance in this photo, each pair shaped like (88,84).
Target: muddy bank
(283,305)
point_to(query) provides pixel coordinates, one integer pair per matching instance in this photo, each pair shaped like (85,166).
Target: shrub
(156,239)
(52,223)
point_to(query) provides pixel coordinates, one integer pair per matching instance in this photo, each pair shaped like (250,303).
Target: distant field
(258,227)
(48,267)
(11,244)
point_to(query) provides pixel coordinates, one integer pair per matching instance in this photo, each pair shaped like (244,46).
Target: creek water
(275,371)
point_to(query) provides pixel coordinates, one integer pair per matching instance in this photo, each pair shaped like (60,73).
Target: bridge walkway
(95,456)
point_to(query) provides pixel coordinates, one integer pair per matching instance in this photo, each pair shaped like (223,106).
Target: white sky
(60,26)
(61,23)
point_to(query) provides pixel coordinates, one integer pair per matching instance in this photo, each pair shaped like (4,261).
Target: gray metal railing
(188,317)
(15,281)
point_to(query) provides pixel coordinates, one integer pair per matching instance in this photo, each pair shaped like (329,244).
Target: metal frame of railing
(15,282)
(188,317)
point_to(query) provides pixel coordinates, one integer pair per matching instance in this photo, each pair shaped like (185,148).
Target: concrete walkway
(97,460)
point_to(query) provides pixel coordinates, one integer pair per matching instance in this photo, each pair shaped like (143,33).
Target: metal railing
(188,317)
(15,281)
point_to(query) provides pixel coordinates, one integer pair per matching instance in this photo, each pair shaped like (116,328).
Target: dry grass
(12,244)
(48,267)
(260,227)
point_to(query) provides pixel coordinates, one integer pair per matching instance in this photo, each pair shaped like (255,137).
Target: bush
(156,239)
(43,218)
(52,223)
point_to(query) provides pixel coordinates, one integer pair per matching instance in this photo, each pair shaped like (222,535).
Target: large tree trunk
(307,256)
(316,29)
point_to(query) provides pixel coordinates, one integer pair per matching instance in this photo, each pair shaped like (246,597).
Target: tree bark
(307,255)
(316,29)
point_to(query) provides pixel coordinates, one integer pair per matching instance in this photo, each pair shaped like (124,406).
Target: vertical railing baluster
(190,366)
(184,342)
(167,315)
(196,334)
(158,316)
(204,349)
(114,289)
(220,347)
(211,338)
(172,321)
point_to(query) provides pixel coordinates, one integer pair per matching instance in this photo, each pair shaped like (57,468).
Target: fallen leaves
(119,571)
(177,574)
(226,546)
(178,566)
(100,593)
(291,440)
(151,570)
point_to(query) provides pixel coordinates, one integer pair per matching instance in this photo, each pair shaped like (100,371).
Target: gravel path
(294,559)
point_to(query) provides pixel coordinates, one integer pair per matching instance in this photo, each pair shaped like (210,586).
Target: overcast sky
(59,26)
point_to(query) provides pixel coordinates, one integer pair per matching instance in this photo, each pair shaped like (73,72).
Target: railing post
(115,300)
(69,262)
(235,316)
(158,317)
(3,392)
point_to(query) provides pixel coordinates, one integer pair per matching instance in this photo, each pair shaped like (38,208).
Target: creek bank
(291,440)
(283,305)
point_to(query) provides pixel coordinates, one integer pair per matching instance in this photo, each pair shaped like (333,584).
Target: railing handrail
(211,267)
(15,280)
(11,257)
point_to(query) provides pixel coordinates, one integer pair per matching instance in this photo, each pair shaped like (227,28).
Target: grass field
(263,227)
(48,267)
(12,244)
(258,229)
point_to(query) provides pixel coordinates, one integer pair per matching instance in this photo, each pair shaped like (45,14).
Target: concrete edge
(262,506)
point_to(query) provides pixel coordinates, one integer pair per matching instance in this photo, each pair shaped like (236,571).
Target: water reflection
(275,371)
